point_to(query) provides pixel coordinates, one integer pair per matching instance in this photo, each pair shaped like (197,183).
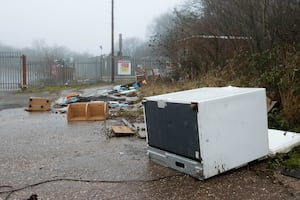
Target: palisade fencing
(87,70)
(18,71)
(10,71)
(99,68)
(41,73)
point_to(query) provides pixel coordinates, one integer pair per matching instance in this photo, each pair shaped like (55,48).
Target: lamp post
(101,62)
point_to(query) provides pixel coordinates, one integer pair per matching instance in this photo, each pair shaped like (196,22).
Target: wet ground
(42,153)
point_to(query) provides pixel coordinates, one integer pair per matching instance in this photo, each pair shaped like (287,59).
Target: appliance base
(179,163)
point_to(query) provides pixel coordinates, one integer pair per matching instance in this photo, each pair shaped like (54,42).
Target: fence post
(24,73)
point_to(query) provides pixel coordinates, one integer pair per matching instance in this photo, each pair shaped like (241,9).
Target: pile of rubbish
(120,97)
(99,105)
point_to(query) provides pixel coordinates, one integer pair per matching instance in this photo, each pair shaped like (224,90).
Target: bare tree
(204,33)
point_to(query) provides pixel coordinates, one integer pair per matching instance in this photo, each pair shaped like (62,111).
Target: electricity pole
(112,44)
(101,61)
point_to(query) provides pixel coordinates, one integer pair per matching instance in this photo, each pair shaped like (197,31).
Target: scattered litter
(142,134)
(71,95)
(116,98)
(122,131)
(127,88)
(141,129)
(126,123)
(95,105)
(115,104)
(60,110)
(60,102)
(124,92)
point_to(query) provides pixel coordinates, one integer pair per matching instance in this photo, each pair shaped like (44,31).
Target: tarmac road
(42,153)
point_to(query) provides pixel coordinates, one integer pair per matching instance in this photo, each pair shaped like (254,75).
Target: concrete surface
(42,153)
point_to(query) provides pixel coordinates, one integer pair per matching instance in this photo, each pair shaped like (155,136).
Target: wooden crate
(97,110)
(91,111)
(38,104)
(76,112)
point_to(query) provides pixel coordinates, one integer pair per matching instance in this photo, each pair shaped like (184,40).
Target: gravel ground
(42,153)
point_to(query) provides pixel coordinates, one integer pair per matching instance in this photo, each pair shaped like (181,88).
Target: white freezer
(207,131)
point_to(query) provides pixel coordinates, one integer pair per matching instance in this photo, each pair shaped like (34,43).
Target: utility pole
(101,71)
(112,44)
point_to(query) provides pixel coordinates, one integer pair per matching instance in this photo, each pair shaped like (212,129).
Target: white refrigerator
(204,132)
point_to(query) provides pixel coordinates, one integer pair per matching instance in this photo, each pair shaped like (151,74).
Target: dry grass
(211,79)
(162,87)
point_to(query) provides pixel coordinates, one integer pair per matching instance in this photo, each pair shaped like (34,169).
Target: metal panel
(174,161)
(234,131)
(10,67)
(173,127)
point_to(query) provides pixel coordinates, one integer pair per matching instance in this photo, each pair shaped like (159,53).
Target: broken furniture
(207,131)
(90,111)
(38,104)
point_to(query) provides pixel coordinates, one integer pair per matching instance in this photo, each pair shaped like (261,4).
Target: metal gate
(10,71)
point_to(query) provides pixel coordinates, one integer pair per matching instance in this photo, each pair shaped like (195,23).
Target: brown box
(38,104)
(76,112)
(97,110)
(92,111)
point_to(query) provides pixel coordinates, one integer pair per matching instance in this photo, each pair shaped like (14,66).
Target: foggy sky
(80,25)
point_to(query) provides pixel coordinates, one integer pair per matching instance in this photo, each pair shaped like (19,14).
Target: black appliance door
(173,128)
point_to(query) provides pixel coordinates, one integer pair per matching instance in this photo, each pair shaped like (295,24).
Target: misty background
(245,43)
(79,26)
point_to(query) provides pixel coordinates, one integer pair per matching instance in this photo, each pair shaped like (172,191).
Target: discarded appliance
(91,111)
(207,131)
(38,104)
(282,141)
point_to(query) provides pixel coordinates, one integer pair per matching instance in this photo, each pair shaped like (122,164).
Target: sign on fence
(124,67)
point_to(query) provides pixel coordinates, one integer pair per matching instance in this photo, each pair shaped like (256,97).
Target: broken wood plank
(121,130)
(128,124)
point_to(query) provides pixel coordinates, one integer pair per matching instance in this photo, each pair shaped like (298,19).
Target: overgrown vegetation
(271,62)
(276,70)
(287,161)
(133,115)
(235,42)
